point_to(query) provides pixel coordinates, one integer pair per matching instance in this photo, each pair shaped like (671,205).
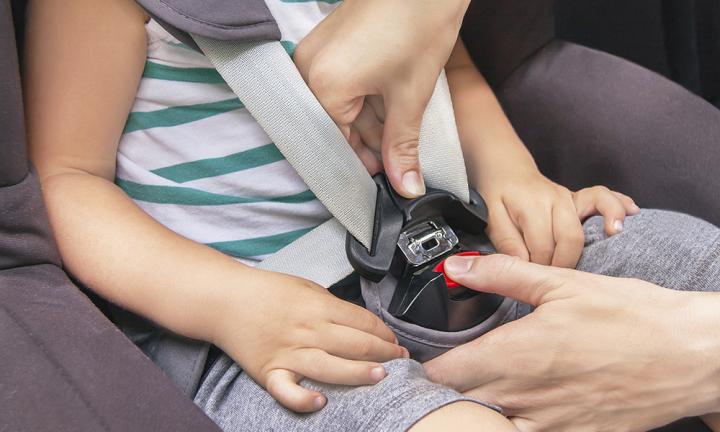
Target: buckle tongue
(427,241)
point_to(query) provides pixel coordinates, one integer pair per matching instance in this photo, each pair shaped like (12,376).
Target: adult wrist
(703,343)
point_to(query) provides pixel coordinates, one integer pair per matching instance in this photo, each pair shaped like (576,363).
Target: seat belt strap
(271,88)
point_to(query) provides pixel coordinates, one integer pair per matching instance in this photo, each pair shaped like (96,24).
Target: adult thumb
(404,109)
(507,276)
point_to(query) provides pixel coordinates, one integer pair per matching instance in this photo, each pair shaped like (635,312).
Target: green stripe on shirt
(179,195)
(181,74)
(289,47)
(174,116)
(213,167)
(259,245)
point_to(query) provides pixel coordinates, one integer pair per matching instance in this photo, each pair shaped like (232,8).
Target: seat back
(13,163)
(25,235)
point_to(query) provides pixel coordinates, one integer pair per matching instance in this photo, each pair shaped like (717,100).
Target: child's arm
(84,60)
(529,215)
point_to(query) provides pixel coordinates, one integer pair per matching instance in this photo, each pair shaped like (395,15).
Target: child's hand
(287,328)
(535,219)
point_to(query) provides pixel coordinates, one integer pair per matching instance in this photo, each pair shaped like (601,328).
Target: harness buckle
(411,240)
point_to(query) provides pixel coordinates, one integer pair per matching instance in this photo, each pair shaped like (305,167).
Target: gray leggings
(669,249)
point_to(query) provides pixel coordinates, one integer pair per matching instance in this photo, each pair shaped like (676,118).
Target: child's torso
(195,160)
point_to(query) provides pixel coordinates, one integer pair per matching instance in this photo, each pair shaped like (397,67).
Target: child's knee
(463,416)
(664,247)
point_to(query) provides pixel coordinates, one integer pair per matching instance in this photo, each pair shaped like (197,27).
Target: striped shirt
(193,158)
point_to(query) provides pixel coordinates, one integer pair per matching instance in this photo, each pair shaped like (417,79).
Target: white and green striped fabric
(195,160)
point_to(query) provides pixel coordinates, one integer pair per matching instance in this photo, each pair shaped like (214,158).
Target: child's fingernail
(458,265)
(318,402)
(377,373)
(618,225)
(413,183)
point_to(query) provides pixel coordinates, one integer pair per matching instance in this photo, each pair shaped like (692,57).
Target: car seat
(67,367)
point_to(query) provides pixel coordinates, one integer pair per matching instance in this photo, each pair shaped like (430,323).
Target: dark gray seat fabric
(65,367)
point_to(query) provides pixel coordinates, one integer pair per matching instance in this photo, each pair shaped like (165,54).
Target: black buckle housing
(410,238)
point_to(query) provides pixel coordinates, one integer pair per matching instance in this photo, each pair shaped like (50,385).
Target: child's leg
(463,416)
(404,399)
(669,249)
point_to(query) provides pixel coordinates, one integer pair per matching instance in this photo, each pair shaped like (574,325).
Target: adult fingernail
(458,265)
(635,208)
(397,342)
(318,402)
(413,183)
(377,373)
(618,225)
(405,353)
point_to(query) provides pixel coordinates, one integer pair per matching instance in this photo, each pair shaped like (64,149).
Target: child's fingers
(283,387)
(569,236)
(600,200)
(353,344)
(503,233)
(320,366)
(536,226)
(351,315)
(630,207)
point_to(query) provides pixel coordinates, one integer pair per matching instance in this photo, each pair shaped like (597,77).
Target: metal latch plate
(427,241)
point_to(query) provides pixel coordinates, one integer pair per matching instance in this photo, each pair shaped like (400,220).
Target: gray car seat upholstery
(65,367)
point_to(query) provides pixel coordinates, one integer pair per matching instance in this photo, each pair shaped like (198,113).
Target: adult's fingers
(351,315)
(367,157)
(599,199)
(320,366)
(283,387)
(569,236)
(401,132)
(370,128)
(503,233)
(508,276)
(451,368)
(353,344)
(377,105)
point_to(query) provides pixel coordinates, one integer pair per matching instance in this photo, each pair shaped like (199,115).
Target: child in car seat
(163,192)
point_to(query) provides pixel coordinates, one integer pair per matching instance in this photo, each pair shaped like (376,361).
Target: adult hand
(597,354)
(373,65)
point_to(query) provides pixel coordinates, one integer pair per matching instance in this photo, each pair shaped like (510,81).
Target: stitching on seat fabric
(61,370)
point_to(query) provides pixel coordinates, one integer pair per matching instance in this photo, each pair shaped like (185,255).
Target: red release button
(440,268)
